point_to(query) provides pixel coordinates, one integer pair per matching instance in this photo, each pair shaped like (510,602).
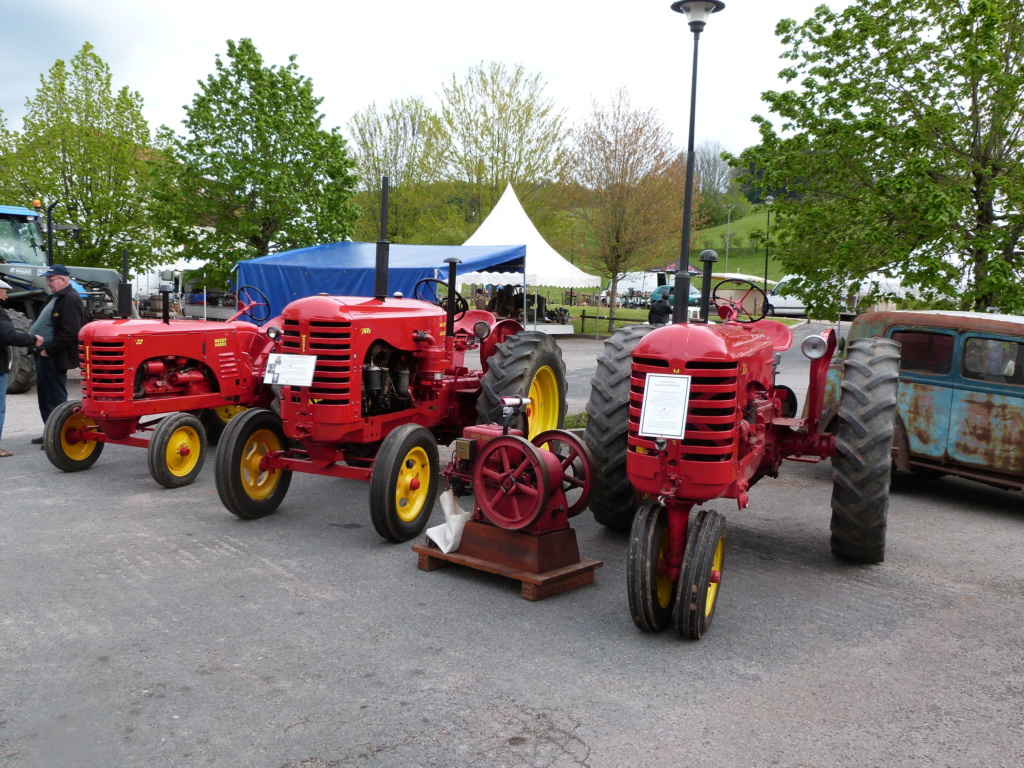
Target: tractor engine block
(387,376)
(171,376)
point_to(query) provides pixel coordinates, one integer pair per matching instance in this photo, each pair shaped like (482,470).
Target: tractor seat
(781,335)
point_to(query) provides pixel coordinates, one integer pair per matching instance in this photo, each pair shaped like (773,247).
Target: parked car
(668,292)
(781,304)
(960,402)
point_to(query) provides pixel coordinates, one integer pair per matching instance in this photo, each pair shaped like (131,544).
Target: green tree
(86,146)
(500,128)
(402,144)
(901,150)
(630,182)
(256,173)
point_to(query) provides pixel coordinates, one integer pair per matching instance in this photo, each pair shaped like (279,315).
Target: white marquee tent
(508,224)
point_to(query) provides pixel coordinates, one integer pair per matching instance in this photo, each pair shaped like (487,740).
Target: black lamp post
(697,14)
(768,236)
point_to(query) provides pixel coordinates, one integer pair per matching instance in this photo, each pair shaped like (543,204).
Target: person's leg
(52,386)
(3,402)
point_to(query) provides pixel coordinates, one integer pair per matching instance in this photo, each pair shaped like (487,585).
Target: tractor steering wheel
(733,309)
(426,290)
(244,295)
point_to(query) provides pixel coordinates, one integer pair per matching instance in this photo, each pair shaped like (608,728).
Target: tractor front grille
(331,342)
(105,370)
(712,416)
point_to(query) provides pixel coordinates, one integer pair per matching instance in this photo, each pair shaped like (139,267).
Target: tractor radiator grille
(712,416)
(106,371)
(331,342)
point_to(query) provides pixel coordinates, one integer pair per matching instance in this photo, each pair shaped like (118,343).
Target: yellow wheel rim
(227,412)
(413,485)
(709,603)
(542,412)
(664,584)
(182,452)
(259,484)
(80,449)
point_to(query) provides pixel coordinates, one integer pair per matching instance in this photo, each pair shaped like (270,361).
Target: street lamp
(768,234)
(728,236)
(697,14)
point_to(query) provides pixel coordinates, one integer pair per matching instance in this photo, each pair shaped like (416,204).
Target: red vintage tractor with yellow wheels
(162,385)
(687,413)
(369,387)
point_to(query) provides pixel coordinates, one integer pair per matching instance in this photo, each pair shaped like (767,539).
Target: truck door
(926,388)
(987,411)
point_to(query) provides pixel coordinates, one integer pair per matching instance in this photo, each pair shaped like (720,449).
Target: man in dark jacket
(58,323)
(9,337)
(660,312)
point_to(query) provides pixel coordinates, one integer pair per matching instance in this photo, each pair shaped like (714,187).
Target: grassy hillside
(744,256)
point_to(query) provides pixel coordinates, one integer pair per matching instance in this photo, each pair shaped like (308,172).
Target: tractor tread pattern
(862,464)
(22,375)
(612,500)
(511,370)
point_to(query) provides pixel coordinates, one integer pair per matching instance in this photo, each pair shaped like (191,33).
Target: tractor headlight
(273,333)
(481,329)
(814,347)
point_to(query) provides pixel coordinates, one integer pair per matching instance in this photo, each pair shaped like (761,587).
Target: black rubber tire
(245,492)
(861,466)
(166,465)
(612,500)
(529,360)
(408,453)
(22,373)
(696,595)
(214,423)
(650,598)
(69,457)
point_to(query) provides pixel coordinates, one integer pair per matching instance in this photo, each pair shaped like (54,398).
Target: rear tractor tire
(528,364)
(177,451)
(613,500)
(64,452)
(246,490)
(403,483)
(22,366)
(862,464)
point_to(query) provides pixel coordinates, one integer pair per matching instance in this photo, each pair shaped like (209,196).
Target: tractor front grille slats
(331,342)
(106,370)
(713,412)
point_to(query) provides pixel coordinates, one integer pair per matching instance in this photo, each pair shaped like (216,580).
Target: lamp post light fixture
(768,234)
(728,236)
(697,13)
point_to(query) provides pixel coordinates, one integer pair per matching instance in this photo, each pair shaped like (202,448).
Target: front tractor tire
(21,365)
(403,483)
(650,589)
(528,364)
(63,450)
(177,451)
(613,500)
(244,488)
(698,584)
(862,463)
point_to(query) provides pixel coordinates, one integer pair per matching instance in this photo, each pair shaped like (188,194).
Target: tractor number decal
(364,331)
(220,342)
(138,341)
(743,370)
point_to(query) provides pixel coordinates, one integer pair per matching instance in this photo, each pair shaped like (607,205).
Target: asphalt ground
(141,626)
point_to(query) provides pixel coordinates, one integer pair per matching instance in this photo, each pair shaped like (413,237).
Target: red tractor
(368,389)
(176,382)
(686,413)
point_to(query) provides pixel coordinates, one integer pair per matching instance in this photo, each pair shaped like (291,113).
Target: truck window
(20,242)
(992,360)
(925,352)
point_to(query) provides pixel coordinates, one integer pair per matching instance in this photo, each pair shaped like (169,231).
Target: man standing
(9,337)
(59,323)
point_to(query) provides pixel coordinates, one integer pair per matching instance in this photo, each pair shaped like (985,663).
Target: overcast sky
(362,51)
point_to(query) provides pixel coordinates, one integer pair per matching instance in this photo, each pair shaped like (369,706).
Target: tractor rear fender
(499,332)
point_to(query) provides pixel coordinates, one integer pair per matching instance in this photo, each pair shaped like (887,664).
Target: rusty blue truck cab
(960,404)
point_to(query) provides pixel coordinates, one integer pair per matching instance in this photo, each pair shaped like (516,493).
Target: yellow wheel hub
(259,484)
(227,412)
(542,412)
(182,452)
(716,575)
(665,586)
(79,449)
(413,485)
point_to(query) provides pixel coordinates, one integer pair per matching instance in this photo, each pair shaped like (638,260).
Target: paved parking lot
(149,627)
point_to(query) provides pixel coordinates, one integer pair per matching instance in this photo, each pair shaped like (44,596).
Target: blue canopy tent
(346,268)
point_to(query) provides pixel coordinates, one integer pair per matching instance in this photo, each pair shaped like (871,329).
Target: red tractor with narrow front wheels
(369,387)
(166,386)
(686,413)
